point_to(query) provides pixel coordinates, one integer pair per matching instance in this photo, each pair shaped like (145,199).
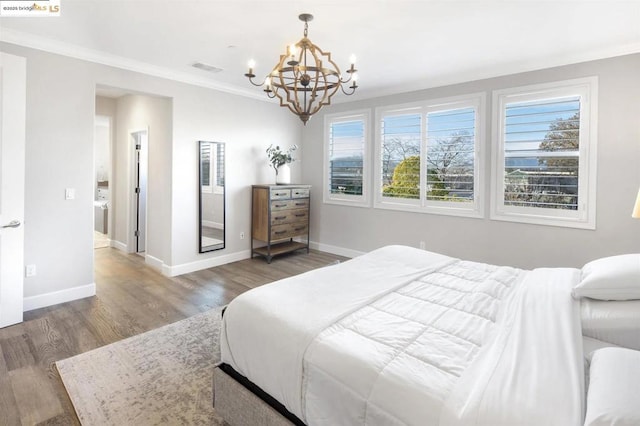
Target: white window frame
(473,209)
(363,200)
(585,216)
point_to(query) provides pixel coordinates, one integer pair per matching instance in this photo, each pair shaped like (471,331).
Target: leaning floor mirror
(211,223)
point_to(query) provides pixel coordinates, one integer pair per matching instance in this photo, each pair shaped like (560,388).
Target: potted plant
(280,160)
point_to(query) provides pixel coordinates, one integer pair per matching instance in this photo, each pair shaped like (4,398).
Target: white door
(12,142)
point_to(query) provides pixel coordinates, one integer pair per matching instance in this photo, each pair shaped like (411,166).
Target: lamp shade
(636,207)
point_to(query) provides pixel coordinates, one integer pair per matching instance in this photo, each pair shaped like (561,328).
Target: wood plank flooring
(131,299)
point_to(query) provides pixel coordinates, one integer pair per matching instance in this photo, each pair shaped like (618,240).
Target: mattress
(616,322)
(404,336)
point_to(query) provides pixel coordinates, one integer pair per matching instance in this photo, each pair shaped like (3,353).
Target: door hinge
(136,233)
(137,190)
(138,147)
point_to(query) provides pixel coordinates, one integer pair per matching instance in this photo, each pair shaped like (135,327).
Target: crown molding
(98,57)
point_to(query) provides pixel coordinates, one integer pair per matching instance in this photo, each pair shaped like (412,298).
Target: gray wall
(363,229)
(61,105)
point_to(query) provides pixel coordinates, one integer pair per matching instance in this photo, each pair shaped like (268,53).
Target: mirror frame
(201,248)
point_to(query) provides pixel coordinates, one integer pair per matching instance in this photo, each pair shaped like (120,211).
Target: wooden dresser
(279,218)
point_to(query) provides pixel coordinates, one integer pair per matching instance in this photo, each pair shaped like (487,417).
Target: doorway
(101,182)
(140,145)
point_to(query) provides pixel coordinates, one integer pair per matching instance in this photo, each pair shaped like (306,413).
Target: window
(544,162)
(428,156)
(206,168)
(346,159)
(212,158)
(219,173)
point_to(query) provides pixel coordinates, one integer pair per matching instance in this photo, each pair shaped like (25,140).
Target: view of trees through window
(541,152)
(346,151)
(449,158)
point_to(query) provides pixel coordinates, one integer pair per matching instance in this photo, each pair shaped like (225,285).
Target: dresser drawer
(288,216)
(278,205)
(302,203)
(280,194)
(288,230)
(300,193)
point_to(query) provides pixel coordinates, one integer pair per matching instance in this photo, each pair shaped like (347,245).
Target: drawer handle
(280,193)
(299,229)
(280,205)
(279,218)
(301,215)
(301,204)
(280,232)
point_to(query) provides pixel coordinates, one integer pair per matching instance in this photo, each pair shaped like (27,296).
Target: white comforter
(403,336)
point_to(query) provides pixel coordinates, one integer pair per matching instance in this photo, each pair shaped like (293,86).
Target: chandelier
(305,78)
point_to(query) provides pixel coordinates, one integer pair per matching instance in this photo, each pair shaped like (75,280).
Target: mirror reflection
(211,165)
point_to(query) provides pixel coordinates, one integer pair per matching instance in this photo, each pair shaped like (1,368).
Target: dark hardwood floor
(131,299)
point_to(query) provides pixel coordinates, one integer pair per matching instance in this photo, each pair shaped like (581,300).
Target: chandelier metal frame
(306,77)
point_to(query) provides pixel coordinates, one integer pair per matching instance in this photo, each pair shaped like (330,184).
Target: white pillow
(614,388)
(611,278)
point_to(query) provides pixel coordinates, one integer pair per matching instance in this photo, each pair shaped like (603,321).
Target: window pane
(401,156)
(205,152)
(220,164)
(541,148)
(450,155)
(346,154)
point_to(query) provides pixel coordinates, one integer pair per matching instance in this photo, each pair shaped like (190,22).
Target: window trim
(363,200)
(422,205)
(585,216)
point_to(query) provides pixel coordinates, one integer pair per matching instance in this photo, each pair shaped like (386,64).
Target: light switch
(69,193)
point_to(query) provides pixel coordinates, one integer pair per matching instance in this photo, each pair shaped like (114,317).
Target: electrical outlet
(242,235)
(423,245)
(30,270)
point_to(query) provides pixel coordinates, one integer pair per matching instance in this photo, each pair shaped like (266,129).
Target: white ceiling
(400,45)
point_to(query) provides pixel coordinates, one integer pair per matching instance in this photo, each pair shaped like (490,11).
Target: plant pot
(283,175)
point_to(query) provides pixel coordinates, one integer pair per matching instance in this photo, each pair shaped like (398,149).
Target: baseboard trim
(340,251)
(119,245)
(212,224)
(154,262)
(185,268)
(60,296)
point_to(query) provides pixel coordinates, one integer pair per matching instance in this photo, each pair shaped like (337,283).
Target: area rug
(163,376)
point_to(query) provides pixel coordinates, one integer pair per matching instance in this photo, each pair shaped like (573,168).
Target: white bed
(616,323)
(405,336)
